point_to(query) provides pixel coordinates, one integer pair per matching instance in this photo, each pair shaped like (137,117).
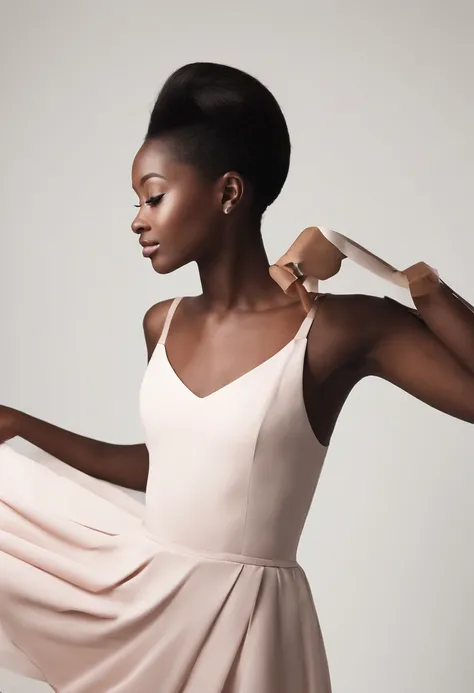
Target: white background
(379,101)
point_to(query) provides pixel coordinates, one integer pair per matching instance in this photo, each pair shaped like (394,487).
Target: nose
(139,225)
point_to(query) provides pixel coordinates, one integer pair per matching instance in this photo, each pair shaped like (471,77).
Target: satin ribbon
(317,254)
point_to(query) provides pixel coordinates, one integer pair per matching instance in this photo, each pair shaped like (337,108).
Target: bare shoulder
(352,323)
(153,322)
(362,311)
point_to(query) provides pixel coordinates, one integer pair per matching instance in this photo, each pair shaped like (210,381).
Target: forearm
(126,465)
(450,319)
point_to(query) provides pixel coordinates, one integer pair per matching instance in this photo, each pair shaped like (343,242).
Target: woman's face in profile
(179,209)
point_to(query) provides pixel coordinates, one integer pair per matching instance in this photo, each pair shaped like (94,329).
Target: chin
(165,265)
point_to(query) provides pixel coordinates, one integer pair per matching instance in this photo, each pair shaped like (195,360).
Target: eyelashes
(152,201)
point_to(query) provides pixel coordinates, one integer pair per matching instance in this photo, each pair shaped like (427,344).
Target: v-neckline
(235,381)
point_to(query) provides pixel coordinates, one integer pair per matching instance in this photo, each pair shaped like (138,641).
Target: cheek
(185,226)
(186,215)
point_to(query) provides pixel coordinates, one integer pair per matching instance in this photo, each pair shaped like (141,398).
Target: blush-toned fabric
(198,591)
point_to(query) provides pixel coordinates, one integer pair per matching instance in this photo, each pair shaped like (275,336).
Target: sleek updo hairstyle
(218,119)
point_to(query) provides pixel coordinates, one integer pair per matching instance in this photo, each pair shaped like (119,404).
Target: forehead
(154,156)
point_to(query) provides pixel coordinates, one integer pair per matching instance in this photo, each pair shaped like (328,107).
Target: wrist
(19,422)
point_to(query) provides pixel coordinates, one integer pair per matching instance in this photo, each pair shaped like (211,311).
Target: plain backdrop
(379,101)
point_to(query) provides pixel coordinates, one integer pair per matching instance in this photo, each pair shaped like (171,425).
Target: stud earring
(227,209)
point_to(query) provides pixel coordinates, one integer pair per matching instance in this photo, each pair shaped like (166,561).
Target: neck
(235,275)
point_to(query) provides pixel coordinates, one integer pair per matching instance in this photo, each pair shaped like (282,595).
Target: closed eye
(152,201)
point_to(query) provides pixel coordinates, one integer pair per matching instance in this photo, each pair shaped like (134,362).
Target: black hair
(218,119)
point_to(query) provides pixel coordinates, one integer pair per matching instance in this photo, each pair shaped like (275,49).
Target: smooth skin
(243,317)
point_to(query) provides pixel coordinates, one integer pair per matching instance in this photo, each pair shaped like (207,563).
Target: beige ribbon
(317,254)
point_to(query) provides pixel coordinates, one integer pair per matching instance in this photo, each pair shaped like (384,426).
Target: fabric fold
(128,606)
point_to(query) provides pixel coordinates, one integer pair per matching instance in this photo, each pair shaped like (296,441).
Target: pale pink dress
(202,592)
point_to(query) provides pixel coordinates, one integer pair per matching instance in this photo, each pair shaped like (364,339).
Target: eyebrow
(147,176)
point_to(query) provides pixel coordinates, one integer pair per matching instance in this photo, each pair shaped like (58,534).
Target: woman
(241,395)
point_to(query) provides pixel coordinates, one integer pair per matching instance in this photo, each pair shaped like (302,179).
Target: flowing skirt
(91,602)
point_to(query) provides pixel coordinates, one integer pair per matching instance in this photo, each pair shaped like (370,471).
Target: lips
(149,247)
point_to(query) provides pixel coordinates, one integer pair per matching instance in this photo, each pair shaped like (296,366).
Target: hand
(422,279)
(310,258)
(9,423)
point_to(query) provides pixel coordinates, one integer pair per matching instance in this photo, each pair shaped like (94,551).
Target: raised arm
(406,352)
(448,316)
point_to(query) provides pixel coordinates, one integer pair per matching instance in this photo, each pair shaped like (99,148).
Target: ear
(232,191)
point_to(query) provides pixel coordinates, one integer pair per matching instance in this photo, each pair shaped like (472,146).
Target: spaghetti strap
(169,317)
(308,321)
